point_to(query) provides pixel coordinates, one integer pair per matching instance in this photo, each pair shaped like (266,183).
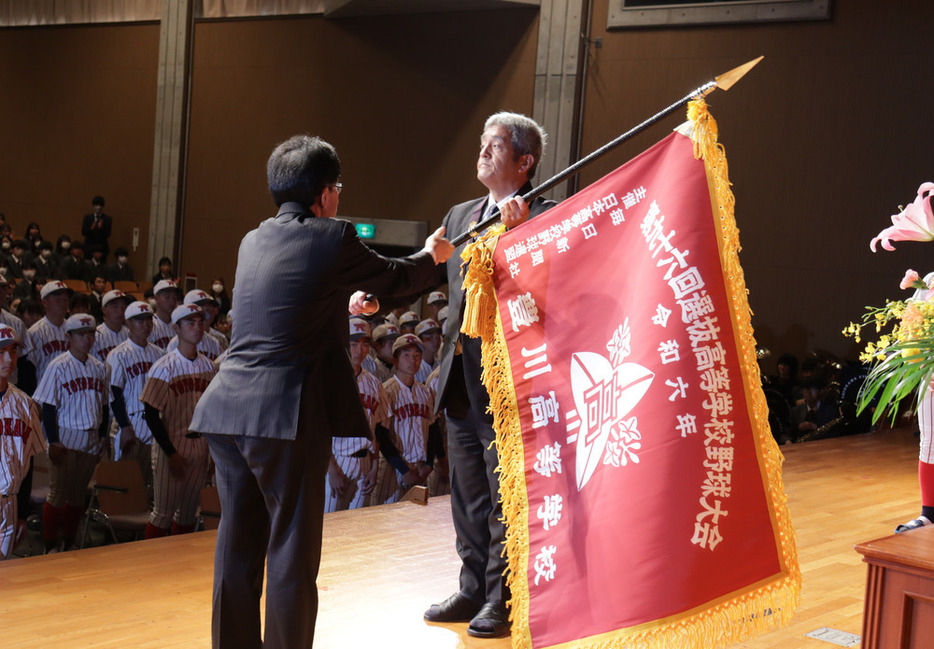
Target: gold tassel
(479,290)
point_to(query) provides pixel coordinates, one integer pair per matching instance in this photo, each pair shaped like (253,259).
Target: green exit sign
(366,230)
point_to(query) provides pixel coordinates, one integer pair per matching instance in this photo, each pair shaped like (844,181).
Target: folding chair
(209,516)
(118,499)
(126,286)
(77,285)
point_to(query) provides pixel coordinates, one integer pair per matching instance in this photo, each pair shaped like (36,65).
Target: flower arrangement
(903,356)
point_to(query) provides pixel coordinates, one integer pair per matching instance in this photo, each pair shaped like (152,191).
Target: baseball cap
(198,296)
(186,311)
(52,287)
(425,326)
(386,331)
(138,309)
(163,285)
(110,296)
(437,296)
(409,317)
(80,322)
(7,336)
(442,314)
(359,328)
(405,340)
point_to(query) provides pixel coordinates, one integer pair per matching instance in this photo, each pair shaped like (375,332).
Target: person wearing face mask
(26,287)
(33,237)
(6,248)
(219,293)
(120,270)
(46,262)
(62,249)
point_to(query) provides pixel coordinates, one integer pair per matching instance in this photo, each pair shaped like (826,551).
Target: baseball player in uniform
(24,366)
(179,457)
(436,301)
(408,321)
(429,331)
(112,331)
(20,439)
(48,337)
(165,293)
(211,313)
(353,468)
(128,365)
(404,444)
(74,392)
(379,362)
(209,346)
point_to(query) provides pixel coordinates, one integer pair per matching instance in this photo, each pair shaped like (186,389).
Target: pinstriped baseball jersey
(22,334)
(208,347)
(221,338)
(162,332)
(128,365)
(411,412)
(20,438)
(377,368)
(174,386)
(424,370)
(48,341)
(106,339)
(374,400)
(79,390)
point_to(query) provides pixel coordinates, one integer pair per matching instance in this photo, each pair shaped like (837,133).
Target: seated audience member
(26,288)
(75,266)
(219,293)
(120,270)
(16,258)
(813,417)
(96,262)
(33,237)
(46,262)
(410,411)
(165,271)
(62,249)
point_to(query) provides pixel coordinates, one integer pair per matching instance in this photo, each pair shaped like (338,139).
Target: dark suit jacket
(453,391)
(96,237)
(288,372)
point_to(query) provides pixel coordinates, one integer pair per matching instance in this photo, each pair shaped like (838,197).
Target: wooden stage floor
(383,566)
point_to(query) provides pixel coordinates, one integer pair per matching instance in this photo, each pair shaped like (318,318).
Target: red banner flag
(641,484)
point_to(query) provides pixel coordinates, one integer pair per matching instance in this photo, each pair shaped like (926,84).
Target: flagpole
(725,81)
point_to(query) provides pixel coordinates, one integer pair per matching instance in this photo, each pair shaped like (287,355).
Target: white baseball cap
(52,287)
(442,314)
(198,296)
(8,336)
(386,331)
(163,285)
(138,309)
(437,296)
(359,328)
(425,326)
(110,296)
(406,340)
(186,311)
(409,317)
(80,322)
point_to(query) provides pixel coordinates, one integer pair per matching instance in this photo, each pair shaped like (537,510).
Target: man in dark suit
(285,388)
(96,228)
(510,149)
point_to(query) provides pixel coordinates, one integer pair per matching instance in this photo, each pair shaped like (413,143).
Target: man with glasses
(286,387)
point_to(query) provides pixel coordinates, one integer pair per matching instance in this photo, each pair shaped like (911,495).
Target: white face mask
(218,288)
(121,259)
(65,245)
(45,254)
(5,245)
(29,274)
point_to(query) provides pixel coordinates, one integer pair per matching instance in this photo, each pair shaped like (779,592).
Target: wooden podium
(899,607)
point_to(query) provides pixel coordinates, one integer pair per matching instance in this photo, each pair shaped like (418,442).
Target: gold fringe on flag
(762,607)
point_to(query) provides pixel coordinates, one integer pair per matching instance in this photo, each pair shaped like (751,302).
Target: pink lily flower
(914,223)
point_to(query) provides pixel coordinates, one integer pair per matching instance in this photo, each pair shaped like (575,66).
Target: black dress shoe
(456,608)
(492,621)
